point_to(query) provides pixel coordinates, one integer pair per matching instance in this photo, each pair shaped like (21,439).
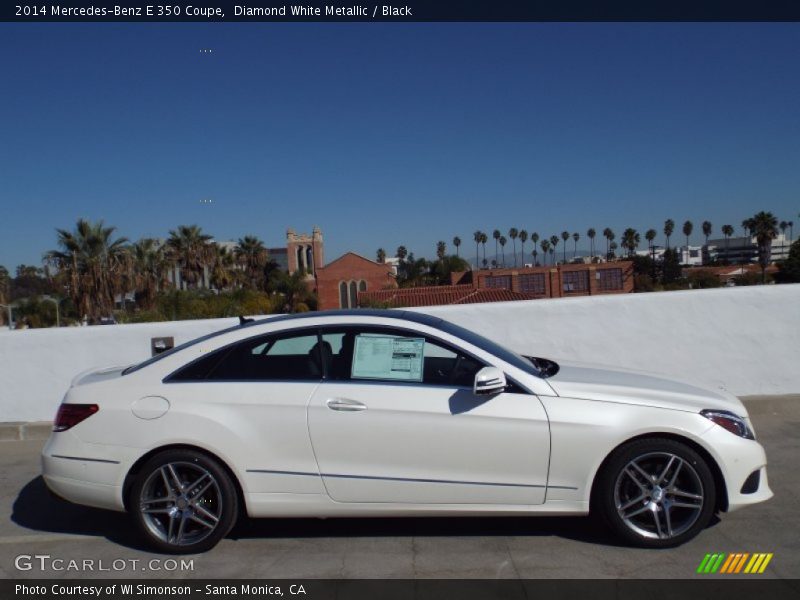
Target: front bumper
(738,459)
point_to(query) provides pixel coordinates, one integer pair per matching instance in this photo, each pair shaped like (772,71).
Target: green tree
(565,237)
(630,240)
(669,228)
(727,231)
(707,229)
(484,239)
(545,246)
(503,242)
(534,241)
(252,256)
(441,250)
(608,233)
(90,266)
(789,269)
(477,238)
(688,227)
(191,250)
(513,233)
(149,271)
(381,255)
(523,237)
(457,243)
(764,226)
(496,235)
(575,237)
(591,233)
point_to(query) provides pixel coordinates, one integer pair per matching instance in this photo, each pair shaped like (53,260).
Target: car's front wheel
(656,493)
(183,501)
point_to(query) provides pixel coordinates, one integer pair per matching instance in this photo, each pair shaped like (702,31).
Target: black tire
(188,520)
(655,512)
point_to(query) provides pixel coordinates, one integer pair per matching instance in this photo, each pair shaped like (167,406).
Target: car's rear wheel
(656,493)
(183,501)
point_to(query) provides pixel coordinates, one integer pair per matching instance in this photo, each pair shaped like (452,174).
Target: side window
(287,357)
(361,353)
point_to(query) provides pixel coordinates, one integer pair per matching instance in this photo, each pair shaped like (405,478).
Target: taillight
(69,415)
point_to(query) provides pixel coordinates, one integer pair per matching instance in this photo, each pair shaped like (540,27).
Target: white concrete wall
(745,339)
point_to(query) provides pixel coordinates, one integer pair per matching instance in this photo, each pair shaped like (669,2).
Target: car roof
(406,315)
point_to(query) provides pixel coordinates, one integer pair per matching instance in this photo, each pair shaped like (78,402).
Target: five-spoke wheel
(183,501)
(656,492)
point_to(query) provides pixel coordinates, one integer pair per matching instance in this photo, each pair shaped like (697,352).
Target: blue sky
(388,134)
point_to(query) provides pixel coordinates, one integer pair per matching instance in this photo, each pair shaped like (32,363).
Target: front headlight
(727,420)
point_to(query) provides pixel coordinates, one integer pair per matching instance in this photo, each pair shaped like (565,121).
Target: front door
(396,421)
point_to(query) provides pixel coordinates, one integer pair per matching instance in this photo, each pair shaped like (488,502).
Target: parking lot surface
(103,544)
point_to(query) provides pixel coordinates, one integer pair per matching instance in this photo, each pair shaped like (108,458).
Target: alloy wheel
(659,495)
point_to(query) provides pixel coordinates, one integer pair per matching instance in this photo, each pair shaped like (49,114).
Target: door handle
(345,404)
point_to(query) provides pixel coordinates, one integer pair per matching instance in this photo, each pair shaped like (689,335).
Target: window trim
(226,349)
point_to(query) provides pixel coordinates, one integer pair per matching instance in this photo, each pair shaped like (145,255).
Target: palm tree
(688,227)
(630,240)
(189,248)
(381,255)
(251,254)
(535,254)
(513,234)
(575,236)
(496,235)
(503,241)
(791,232)
(441,250)
(590,233)
(523,237)
(707,229)
(553,246)
(764,226)
(545,246)
(565,237)
(456,243)
(295,292)
(613,249)
(484,239)
(784,226)
(401,253)
(149,268)
(5,292)
(609,235)
(222,275)
(91,265)
(669,228)
(534,241)
(477,237)
(727,231)
(650,236)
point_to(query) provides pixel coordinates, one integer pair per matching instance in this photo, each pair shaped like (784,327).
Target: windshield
(488,345)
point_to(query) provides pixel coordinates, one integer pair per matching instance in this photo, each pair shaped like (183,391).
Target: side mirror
(489,380)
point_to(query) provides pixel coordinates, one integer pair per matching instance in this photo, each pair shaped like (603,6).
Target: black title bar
(401,11)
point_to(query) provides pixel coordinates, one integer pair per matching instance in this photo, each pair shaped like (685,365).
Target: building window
(609,279)
(344,302)
(362,286)
(576,281)
(353,294)
(532,283)
(497,281)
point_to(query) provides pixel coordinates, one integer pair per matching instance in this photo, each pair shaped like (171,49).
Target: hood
(96,375)
(635,387)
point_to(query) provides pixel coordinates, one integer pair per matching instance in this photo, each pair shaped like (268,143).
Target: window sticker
(388,357)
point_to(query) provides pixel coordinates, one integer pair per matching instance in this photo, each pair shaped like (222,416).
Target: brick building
(502,285)
(340,282)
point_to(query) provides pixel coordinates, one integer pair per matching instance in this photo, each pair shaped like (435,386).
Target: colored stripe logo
(737,562)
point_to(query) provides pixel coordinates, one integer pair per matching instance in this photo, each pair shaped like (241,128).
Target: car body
(393,413)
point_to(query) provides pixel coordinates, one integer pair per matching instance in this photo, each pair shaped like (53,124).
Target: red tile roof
(439,295)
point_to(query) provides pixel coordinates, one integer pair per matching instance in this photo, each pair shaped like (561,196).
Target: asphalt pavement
(44,537)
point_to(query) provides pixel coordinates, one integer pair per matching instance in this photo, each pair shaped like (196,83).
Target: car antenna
(243,320)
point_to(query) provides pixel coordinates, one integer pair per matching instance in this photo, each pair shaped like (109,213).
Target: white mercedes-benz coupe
(394,413)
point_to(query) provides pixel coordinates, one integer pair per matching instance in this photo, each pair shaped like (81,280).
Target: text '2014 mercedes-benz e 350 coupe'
(394,413)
